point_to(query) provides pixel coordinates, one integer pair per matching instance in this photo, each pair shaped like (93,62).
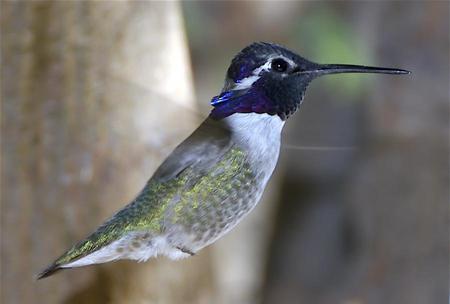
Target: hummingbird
(216,176)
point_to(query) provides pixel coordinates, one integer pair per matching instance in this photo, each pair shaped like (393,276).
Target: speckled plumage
(201,205)
(200,192)
(218,174)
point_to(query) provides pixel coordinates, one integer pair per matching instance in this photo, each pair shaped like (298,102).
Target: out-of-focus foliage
(328,38)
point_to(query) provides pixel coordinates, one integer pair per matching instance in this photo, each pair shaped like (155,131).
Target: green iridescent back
(203,202)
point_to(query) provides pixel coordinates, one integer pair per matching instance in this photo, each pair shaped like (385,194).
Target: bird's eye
(279,65)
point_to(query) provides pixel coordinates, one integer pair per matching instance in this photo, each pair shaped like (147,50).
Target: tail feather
(104,235)
(93,251)
(50,270)
(64,261)
(77,252)
(110,242)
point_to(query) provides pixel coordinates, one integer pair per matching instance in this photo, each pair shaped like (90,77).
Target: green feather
(180,200)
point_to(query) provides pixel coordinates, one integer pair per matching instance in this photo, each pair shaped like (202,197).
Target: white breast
(259,135)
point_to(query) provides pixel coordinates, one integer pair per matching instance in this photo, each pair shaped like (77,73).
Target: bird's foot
(185,250)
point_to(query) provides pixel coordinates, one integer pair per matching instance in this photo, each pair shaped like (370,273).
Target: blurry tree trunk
(94,96)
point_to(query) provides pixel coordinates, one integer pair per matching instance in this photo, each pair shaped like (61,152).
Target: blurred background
(96,94)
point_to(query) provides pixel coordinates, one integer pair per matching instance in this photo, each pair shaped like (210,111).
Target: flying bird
(216,176)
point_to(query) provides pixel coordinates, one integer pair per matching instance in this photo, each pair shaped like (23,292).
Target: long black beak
(324,69)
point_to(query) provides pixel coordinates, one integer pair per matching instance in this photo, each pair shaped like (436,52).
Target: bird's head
(268,78)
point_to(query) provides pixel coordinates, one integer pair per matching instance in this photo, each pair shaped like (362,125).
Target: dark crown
(268,78)
(253,56)
(251,89)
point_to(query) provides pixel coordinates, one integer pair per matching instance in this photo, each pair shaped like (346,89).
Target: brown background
(96,94)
